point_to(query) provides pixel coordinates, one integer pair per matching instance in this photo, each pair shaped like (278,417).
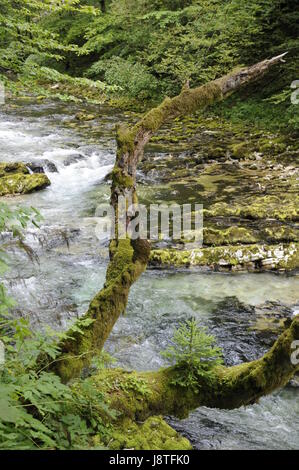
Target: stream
(71,269)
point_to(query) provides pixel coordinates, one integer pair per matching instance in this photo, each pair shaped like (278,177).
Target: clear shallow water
(158,302)
(58,289)
(272,424)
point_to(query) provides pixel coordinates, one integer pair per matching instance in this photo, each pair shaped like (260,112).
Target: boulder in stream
(16,179)
(40,166)
(84,117)
(74,158)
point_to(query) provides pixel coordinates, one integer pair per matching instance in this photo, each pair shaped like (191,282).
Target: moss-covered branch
(124,269)
(140,395)
(129,260)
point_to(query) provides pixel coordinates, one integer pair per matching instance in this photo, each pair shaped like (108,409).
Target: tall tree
(22,33)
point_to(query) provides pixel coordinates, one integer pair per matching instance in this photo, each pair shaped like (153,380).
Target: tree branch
(231,387)
(129,260)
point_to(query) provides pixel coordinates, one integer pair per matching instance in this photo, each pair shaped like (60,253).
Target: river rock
(52,237)
(12,169)
(74,158)
(84,117)
(40,166)
(15,179)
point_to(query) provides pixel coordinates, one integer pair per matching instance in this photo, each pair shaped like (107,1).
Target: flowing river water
(72,263)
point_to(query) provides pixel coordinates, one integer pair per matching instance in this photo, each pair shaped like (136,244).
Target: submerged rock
(245,332)
(75,158)
(16,179)
(52,237)
(271,320)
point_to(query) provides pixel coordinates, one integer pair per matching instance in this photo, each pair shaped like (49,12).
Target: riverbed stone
(246,180)
(40,166)
(231,258)
(16,179)
(74,158)
(7,169)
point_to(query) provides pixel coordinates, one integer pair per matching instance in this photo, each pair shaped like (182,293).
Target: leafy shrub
(193,353)
(37,411)
(132,78)
(33,69)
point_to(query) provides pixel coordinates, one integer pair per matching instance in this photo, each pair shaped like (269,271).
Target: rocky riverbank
(247,182)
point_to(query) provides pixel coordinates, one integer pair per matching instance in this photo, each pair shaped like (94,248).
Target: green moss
(230,387)
(269,324)
(22,183)
(85,117)
(230,236)
(123,270)
(153,434)
(186,103)
(125,140)
(240,150)
(283,207)
(7,169)
(272,145)
(120,180)
(161,396)
(283,233)
(211,182)
(261,257)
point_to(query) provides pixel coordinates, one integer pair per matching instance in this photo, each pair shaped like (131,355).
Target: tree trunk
(103,6)
(129,259)
(230,388)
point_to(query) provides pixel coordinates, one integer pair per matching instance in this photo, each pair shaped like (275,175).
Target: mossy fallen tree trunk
(140,395)
(129,259)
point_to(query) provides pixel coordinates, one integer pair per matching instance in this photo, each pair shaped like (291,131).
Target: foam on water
(30,140)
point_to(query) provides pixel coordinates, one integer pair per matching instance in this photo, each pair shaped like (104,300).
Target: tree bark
(103,6)
(230,388)
(128,260)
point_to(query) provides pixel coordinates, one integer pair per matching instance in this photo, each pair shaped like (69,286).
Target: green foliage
(44,74)
(36,409)
(28,46)
(136,385)
(198,40)
(191,39)
(148,49)
(193,354)
(133,80)
(22,34)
